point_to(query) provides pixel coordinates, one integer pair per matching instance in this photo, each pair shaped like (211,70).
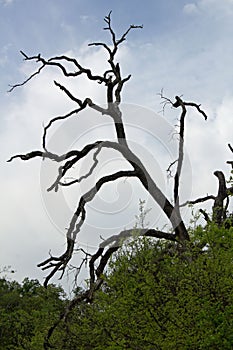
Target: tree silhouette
(113,81)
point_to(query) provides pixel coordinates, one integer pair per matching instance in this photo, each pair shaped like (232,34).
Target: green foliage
(26,313)
(163,296)
(156,295)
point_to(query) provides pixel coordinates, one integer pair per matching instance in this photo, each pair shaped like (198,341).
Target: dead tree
(113,81)
(221,200)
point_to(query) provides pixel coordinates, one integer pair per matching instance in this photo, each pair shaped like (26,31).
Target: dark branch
(67,92)
(118,240)
(218,207)
(57,158)
(179,102)
(78,219)
(56,62)
(231,148)
(230,162)
(101,44)
(94,165)
(58,263)
(192,104)
(116,42)
(198,200)
(29,155)
(206,216)
(12,87)
(83,105)
(88,196)
(165,101)
(53,120)
(168,170)
(70,163)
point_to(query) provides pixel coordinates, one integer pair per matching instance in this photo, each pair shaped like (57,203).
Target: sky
(184,48)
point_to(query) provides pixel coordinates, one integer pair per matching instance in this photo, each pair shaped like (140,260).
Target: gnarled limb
(218,209)
(219,212)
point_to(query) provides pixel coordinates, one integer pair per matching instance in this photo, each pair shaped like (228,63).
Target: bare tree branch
(230,162)
(117,240)
(231,148)
(116,42)
(94,165)
(60,263)
(56,62)
(57,158)
(192,104)
(168,170)
(206,216)
(165,100)
(29,155)
(12,87)
(70,163)
(83,105)
(86,102)
(218,207)
(180,103)
(198,200)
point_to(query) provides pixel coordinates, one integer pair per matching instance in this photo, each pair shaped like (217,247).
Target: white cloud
(87,18)
(6,2)
(4,54)
(214,8)
(84,18)
(190,9)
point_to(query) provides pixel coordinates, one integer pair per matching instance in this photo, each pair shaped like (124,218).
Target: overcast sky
(185,47)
